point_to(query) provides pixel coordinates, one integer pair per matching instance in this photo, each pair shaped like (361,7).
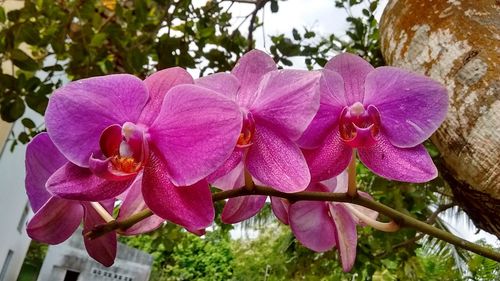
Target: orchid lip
(247,131)
(359,126)
(125,147)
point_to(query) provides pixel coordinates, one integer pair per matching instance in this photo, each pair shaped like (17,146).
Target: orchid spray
(152,148)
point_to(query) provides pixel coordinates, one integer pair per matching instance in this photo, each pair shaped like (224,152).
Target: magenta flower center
(247,131)
(126,147)
(358,127)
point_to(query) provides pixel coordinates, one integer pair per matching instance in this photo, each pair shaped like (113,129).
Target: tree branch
(401,219)
(258,5)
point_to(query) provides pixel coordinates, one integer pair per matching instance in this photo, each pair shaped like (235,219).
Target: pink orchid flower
(384,113)
(277,106)
(321,226)
(56,219)
(115,128)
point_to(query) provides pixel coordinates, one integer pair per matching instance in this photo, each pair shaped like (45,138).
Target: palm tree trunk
(457,42)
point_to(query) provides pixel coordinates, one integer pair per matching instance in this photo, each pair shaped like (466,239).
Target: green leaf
(7,82)
(37,103)
(12,109)
(55,67)
(207,32)
(2,15)
(274,6)
(23,138)
(286,62)
(321,61)
(29,33)
(309,34)
(28,123)
(13,15)
(296,34)
(23,61)
(31,84)
(98,39)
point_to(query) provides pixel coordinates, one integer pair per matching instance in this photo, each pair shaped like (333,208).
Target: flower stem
(118,225)
(351,173)
(399,218)
(102,212)
(249,184)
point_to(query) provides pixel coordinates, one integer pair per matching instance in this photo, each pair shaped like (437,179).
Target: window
(71,275)
(22,221)
(5,265)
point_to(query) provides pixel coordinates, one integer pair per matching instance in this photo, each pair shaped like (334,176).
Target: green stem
(351,174)
(401,219)
(120,225)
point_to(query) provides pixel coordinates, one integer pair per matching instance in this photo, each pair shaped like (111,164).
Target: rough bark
(457,42)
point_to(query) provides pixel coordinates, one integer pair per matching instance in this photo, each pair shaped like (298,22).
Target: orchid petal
(353,70)
(134,203)
(158,84)
(222,83)
(312,226)
(103,249)
(196,131)
(198,232)
(285,106)
(42,160)
(329,159)
(335,184)
(277,162)
(347,237)
(241,208)
(233,179)
(369,212)
(411,106)
(55,221)
(86,107)
(188,206)
(280,209)
(318,187)
(402,164)
(234,160)
(332,102)
(77,183)
(249,70)
(110,140)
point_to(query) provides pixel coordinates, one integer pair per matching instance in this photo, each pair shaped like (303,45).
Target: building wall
(4,133)
(14,210)
(13,199)
(130,264)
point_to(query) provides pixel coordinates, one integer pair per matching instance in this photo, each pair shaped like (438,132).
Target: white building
(69,261)
(14,207)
